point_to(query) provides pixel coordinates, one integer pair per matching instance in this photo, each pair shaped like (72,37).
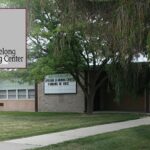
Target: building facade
(16,96)
(73,102)
(60,93)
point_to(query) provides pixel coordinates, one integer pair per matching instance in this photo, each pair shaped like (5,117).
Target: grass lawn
(19,124)
(137,138)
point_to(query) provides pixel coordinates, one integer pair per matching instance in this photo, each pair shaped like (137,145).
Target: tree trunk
(91,90)
(90,102)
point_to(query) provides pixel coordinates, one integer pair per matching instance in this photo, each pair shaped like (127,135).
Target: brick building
(52,97)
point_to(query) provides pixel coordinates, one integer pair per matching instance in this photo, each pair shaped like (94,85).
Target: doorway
(99,99)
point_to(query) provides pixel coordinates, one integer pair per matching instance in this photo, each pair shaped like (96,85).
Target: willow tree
(95,32)
(130,39)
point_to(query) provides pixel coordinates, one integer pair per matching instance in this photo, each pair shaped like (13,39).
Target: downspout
(36,96)
(85,99)
(147,100)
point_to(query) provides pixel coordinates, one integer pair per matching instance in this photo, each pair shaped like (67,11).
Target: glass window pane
(31,93)
(11,94)
(3,94)
(22,94)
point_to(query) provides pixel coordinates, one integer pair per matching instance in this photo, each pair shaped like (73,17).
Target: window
(11,94)
(17,94)
(22,94)
(3,94)
(31,94)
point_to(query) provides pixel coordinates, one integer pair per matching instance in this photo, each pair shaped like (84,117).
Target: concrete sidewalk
(58,137)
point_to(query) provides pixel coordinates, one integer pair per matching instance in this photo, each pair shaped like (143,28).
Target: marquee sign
(59,84)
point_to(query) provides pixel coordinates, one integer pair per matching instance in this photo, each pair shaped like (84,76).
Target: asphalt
(58,137)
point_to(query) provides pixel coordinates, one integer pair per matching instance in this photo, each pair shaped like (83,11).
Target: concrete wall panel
(60,103)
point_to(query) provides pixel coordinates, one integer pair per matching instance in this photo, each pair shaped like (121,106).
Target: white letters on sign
(59,84)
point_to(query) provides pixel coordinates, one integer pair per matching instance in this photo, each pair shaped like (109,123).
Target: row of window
(17,94)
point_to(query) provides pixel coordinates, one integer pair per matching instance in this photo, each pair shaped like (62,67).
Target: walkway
(54,138)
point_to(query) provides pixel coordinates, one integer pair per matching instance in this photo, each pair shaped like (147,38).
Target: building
(60,93)
(56,97)
(16,96)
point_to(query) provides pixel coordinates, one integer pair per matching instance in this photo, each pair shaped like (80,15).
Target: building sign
(13,38)
(59,84)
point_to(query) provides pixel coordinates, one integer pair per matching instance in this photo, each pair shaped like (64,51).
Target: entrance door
(100,96)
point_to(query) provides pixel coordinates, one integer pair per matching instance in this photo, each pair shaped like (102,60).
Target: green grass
(137,138)
(19,124)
